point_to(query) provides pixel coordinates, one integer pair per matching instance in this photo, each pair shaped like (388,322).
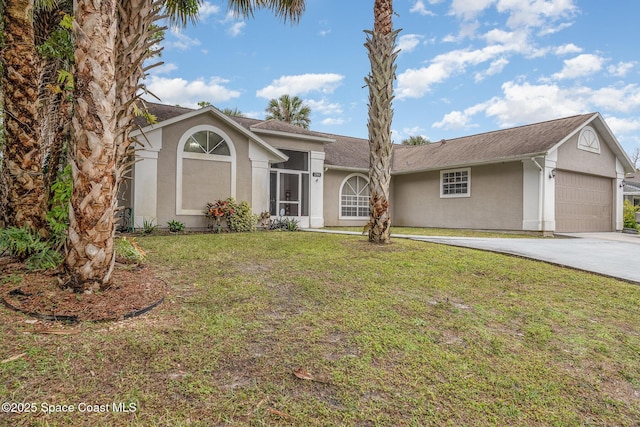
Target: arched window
(588,140)
(354,197)
(205,169)
(207,142)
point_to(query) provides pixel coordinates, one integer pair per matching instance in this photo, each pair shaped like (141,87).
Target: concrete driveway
(611,254)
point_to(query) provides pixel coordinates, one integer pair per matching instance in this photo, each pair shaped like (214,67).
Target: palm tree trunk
(26,196)
(381,45)
(90,250)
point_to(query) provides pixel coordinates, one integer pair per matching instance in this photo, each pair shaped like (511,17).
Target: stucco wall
(194,198)
(332,181)
(573,159)
(282,142)
(495,202)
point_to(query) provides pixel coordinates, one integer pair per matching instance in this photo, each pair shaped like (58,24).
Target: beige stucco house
(563,175)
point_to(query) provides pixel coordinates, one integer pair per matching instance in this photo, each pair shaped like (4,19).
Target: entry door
(289,193)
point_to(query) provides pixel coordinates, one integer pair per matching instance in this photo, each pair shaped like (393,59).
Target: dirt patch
(134,290)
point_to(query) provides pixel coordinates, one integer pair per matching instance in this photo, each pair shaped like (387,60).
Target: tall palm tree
(26,197)
(112,41)
(90,253)
(381,46)
(289,109)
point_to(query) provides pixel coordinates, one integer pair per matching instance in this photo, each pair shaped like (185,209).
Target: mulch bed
(134,290)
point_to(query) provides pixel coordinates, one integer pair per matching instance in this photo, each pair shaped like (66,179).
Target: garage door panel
(583,202)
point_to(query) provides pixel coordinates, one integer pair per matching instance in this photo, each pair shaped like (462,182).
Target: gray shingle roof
(518,142)
(353,153)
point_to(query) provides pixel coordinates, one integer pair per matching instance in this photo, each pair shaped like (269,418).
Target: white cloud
(621,69)
(189,93)
(419,8)
(623,126)
(535,13)
(567,49)
(415,83)
(207,9)
(332,121)
(496,67)
(181,42)
(324,107)
(454,120)
(301,84)
(582,65)
(236,28)
(408,42)
(165,68)
(530,103)
(469,9)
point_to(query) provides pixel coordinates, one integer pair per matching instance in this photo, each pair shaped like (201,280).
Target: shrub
(58,215)
(629,214)
(149,225)
(284,224)
(243,219)
(175,226)
(129,251)
(26,245)
(229,215)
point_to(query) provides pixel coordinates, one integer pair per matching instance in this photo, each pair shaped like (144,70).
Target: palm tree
(112,42)
(416,140)
(381,45)
(25,201)
(289,109)
(233,112)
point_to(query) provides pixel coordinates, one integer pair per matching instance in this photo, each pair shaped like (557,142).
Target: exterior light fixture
(552,174)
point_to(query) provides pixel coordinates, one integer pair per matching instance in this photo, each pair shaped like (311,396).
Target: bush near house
(629,213)
(230,215)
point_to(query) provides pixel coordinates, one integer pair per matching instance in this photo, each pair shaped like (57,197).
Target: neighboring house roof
(632,184)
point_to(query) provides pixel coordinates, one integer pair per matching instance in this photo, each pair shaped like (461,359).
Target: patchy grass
(410,333)
(454,232)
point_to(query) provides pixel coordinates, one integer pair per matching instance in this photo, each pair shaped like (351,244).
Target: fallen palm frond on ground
(317,329)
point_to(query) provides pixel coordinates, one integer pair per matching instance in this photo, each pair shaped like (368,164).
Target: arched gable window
(588,140)
(207,142)
(354,197)
(205,169)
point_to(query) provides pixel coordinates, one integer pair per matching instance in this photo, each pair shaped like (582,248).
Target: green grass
(454,232)
(410,333)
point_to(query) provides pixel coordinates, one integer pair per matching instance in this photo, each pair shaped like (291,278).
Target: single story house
(562,175)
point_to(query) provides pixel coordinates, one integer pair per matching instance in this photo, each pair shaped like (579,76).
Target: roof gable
(173,114)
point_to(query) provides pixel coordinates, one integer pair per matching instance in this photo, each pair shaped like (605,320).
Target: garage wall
(572,159)
(495,202)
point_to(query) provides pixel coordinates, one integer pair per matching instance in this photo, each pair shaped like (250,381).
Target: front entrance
(289,186)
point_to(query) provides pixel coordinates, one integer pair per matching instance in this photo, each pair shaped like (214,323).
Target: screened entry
(289,185)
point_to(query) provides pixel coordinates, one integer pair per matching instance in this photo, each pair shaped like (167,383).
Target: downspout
(540,195)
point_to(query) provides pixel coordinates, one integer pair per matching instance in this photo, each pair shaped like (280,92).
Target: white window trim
(344,181)
(451,196)
(585,147)
(181,154)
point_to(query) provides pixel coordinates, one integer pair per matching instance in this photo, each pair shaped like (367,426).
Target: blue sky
(465,66)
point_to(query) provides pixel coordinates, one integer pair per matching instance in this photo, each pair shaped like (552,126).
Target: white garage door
(583,202)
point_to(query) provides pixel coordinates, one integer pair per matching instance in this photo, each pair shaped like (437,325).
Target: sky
(464,66)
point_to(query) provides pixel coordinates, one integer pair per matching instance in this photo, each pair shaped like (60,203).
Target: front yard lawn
(410,333)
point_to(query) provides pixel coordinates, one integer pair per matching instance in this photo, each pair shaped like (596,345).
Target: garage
(584,203)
